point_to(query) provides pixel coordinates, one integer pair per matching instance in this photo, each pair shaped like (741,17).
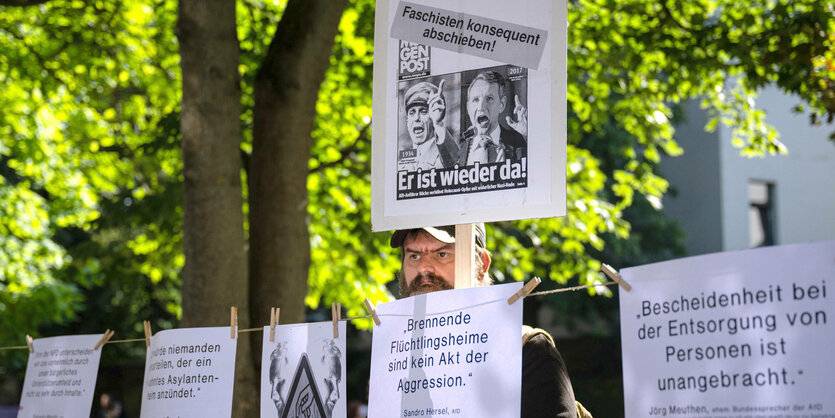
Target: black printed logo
(413,59)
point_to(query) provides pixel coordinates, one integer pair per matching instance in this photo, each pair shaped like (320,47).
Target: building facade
(726,201)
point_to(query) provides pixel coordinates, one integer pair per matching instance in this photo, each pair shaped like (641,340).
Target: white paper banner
(303,371)
(469,112)
(449,353)
(189,372)
(61,377)
(737,334)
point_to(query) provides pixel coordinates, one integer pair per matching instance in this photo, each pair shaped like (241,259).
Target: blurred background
(163,160)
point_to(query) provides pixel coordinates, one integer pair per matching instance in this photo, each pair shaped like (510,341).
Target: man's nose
(426,265)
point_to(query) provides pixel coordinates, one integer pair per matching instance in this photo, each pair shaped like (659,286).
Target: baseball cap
(445,234)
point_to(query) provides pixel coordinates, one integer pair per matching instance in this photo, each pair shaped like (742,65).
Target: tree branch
(13,178)
(345,153)
(669,14)
(37,56)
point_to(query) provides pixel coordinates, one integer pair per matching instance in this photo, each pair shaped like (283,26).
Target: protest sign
(469,112)
(303,371)
(189,372)
(737,334)
(451,353)
(60,377)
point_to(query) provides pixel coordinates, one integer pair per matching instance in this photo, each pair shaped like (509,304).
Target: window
(760,213)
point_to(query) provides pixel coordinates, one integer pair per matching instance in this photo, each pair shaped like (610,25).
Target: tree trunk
(286,90)
(215,273)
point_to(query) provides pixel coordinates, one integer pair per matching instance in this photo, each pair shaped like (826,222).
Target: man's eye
(443,254)
(414,257)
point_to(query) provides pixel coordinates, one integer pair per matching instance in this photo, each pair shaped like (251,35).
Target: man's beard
(417,288)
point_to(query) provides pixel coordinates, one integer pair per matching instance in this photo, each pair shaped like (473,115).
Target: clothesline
(541,293)
(570,289)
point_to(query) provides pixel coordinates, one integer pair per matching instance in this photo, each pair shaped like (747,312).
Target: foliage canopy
(91,172)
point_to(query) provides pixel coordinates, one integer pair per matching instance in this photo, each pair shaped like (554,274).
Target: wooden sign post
(464,255)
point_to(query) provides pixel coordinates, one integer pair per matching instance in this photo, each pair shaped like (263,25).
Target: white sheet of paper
(303,371)
(446,45)
(61,377)
(454,352)
(736,334)
(189,372)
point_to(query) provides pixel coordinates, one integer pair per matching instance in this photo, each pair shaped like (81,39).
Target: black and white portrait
(428,127)
(495,117)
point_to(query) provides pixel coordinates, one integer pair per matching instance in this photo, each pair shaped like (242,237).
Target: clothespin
(274,312)
(614,275)
(147,326)
(104,338)
(527,288)
(233,322)
(335,316)
(370,308)
(29,342)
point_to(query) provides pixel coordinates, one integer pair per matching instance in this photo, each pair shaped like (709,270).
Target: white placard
(737,334)
(449,353)
(189,372)
(487,153)
(303,371)
(60,377)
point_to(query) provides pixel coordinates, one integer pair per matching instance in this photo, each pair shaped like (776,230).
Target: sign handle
(464,255)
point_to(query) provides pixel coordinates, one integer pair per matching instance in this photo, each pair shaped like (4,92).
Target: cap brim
(399,236)
(440,235)
(445,234)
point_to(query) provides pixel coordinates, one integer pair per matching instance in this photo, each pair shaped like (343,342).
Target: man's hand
(521,123)
(437,108)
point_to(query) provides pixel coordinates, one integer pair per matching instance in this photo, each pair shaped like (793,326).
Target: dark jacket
(514,144)
(546,388)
